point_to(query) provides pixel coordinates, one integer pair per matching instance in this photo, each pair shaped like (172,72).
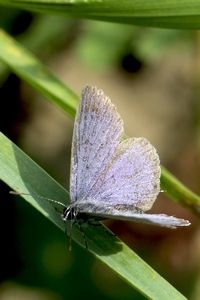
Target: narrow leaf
(183,14)
(28,67)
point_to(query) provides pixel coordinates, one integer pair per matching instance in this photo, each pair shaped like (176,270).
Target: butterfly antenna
(42,197)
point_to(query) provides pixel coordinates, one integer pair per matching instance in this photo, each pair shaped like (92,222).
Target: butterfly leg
(83,234)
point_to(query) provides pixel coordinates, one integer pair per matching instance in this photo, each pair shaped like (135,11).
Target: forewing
(97,131)
(132,177)
(95,209)
(155,219)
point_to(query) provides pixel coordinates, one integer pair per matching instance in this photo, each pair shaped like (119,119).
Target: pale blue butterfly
(111,177)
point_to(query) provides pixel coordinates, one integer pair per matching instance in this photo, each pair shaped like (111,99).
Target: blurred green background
(152,77)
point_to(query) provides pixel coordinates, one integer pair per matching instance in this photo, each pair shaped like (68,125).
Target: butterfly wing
(96,210)
(132,176)
(109,178)
(97,131)
(153,219)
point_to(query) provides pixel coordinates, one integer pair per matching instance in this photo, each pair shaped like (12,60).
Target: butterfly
(111,177)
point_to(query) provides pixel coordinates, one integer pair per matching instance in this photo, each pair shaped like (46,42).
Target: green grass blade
(183,14)
(20,59)
(179,192)
(23,175)
(28,67)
